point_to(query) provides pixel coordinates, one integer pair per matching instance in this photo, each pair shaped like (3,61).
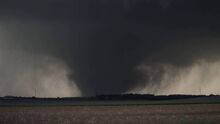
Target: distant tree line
(116,97)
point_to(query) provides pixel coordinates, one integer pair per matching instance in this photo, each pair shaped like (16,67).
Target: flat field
(141,114)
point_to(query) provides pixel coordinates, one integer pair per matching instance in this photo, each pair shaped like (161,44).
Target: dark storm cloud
(103,41)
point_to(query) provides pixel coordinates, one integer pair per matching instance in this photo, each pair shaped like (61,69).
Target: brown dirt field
(149,114)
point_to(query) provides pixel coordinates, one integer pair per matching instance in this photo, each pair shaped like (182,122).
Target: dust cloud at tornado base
(27,71)
(24,74)
(201,77)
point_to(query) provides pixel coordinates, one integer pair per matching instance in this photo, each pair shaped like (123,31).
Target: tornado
(95,47)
